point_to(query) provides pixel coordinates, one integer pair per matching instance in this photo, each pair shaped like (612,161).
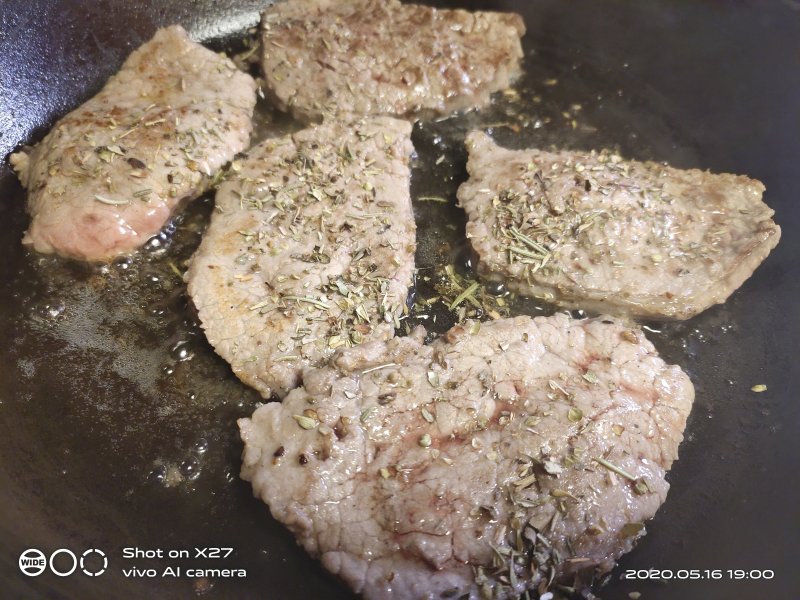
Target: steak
(310,249)
(110,174)
(383,57)
(590,230)
(501,455)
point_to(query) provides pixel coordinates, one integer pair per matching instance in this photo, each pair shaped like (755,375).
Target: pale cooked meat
(477,464)
(593,231)
(383,57)
(111,173)
(311,248)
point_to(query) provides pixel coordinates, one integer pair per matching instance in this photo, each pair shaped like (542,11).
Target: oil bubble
(495,288)
(182,351)
(153,245)
(158,474)
(463,259)
(55,309)
(157,247)
(123,263)
(47,310)
(190,468)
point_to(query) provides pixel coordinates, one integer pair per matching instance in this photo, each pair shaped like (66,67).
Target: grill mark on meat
(110,174)
(590,230)
(438,60)
(279,282)
(399,515)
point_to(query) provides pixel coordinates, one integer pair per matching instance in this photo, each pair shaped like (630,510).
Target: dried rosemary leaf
(632,529)
(591,377)
(614,468)
(525,481)
(305,422)
(379,367)
(532,421)
(559,493)
(641,487)
(574,415)
(111,201)
(467,293)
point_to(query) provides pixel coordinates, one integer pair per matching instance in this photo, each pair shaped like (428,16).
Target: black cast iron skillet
(108,391)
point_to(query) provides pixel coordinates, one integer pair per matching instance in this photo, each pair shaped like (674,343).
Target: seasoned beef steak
(383,57)
(111,173)
(590,230)
(477,464)
(310,248)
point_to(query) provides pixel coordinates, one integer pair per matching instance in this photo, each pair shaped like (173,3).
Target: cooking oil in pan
(109,365)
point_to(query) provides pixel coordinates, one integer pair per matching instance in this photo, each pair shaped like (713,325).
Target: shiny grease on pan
(108,363)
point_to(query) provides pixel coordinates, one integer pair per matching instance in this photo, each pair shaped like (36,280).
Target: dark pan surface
(108,390)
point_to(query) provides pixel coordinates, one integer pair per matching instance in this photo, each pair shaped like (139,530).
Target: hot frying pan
(117,420)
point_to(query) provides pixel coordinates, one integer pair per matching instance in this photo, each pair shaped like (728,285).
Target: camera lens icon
(92,562)
(32,562)
(100,554)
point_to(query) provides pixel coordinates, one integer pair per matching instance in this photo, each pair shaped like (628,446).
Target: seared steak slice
(589,230)
(111,173)
(383,57)
(477,464)
(310,249)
